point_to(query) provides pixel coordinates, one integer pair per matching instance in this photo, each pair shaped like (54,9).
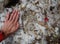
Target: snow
(31,13)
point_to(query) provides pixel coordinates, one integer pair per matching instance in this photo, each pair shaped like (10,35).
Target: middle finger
(15,15)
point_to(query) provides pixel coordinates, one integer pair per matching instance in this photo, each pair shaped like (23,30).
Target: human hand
(11,23)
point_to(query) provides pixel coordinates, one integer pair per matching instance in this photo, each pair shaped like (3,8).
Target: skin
(11,23)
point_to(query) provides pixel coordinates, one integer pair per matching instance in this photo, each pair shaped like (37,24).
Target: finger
(10,27)
(7,16)
(15,15)
(17,26)
(12,15)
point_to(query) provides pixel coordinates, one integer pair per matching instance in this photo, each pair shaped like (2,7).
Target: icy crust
(33,29)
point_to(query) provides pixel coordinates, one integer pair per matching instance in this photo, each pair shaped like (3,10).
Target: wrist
(5,33)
